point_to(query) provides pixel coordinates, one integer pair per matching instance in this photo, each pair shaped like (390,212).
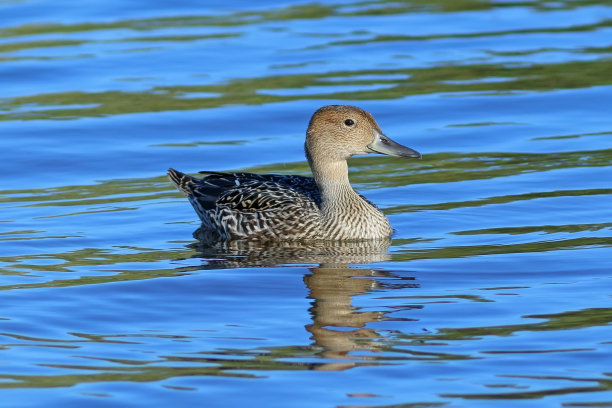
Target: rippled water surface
(494,292)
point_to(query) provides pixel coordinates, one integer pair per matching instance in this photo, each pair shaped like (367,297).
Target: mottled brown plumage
(285,207)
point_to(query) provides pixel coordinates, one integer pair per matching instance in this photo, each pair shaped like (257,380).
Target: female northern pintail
(286,207)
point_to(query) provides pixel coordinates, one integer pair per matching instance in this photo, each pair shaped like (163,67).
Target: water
(495,291)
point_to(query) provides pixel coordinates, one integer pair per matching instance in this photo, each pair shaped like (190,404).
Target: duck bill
(382,144)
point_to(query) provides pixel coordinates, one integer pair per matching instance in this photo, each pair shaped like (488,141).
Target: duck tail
(183,182)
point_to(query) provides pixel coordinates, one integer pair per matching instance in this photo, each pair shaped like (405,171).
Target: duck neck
(333,182)
(345,213)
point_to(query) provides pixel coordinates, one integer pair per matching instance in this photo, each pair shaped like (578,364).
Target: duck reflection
(337,327)
(242,253)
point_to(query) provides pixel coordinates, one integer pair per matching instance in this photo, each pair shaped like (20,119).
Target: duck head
(337,132)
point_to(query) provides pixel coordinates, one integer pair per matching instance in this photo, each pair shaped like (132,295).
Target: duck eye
(349,122)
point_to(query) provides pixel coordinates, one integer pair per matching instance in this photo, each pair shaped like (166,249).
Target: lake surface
(494,292)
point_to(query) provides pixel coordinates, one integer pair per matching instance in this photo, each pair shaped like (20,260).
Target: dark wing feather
(204,192)
(245,192)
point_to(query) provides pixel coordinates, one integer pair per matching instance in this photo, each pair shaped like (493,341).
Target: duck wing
(245,192)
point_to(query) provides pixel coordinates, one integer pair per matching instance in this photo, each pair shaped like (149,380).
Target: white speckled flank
(284,207)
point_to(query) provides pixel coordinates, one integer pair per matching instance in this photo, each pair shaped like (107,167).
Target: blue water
(495,291)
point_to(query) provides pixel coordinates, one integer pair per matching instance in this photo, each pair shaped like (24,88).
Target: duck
(274,207)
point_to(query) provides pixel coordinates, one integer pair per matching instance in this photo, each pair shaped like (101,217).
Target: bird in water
(271,207)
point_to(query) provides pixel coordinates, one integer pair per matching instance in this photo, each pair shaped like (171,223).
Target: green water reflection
(365,172)
(256,91)
(391,83)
